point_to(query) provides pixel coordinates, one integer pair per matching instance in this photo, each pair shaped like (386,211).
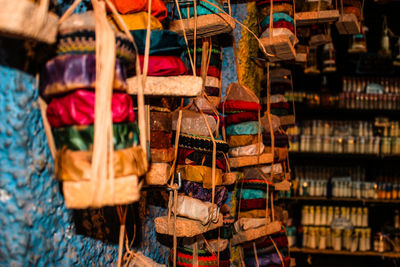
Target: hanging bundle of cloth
(97,156)
(282,18)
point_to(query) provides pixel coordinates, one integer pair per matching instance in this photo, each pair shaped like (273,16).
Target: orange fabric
(158,8)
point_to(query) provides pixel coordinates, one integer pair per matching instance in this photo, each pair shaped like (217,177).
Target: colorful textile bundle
(67,82)
(241,108)
(280,80)
(282,18)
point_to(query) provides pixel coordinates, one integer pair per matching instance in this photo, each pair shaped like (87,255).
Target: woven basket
(25,19)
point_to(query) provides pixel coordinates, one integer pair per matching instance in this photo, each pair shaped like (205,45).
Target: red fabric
(212,71)
(164,66)
(238,105)
(279,238)
(183,154)
(282,24)
(77,108)
(252,204)
(158,8)
(241,117)
(284,105)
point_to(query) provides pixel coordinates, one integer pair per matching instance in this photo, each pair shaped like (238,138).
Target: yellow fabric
(76,165)
(241,140)
(252,214)
(200,174)
(137,21)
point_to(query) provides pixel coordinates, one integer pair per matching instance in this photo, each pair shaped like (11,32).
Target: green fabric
(250,194)
(81,137)
(244,128)
(203,8)
(162,42)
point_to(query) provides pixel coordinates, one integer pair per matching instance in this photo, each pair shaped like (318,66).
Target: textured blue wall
(36,228)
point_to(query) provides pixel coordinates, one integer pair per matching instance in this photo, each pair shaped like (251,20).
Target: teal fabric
(250,194)
(203,8)
(277,17)
(162,42)
(244,128)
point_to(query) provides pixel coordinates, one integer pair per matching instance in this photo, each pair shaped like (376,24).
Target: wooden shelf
(345,253)
(295,155)
(343,199)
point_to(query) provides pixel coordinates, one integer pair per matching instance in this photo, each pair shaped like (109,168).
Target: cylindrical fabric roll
(160,121)
(195,209)
(252,214)
(241,140)
(76,165)
(194,157)
(163,42)
(244,128)
(250,150)
(81,137)
(251,204)
(196,190)
(238,105)
(137,21)
(160,139)
(184,258)
(77,108)
(213,71)
(158,8)
(70,72)
(240,117)
(201,143)
(202,8)
(164,65)
(250,193)
(200,174)
(83,41)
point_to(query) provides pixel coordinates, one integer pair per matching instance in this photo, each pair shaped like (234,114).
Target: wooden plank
(207,25)
(184,227)
(184,85)
(255,233)
(314,17)
(250,160)
(280,46)
(348,24)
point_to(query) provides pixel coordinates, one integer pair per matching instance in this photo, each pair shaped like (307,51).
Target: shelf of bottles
(379,137)
(342,230)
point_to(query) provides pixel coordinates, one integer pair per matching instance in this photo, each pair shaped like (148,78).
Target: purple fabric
(77,72)
(263,260)
(197,191)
